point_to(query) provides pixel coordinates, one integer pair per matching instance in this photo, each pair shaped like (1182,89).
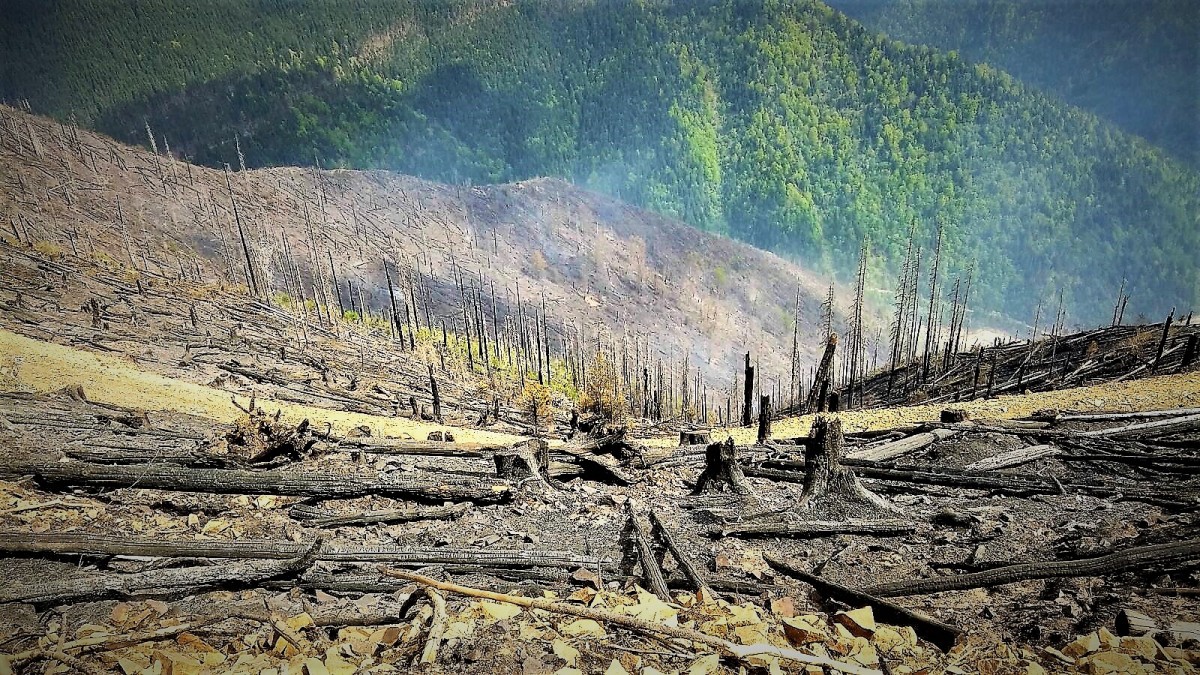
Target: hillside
(1132,63)
(783,124)
(653,291)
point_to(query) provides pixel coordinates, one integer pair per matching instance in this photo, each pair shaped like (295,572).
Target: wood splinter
(437,626)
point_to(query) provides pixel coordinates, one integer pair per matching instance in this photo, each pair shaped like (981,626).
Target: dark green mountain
(785,124)
(1134,62)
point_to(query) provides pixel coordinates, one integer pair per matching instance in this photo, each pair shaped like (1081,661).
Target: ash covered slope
(605,268)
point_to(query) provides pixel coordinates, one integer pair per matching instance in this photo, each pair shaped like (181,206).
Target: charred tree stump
(416,412)
(1132,622)
(954,416)
(835,402)
(823,470)
(721,470)
(694,437)
(764,419)
(97,318)
(530,459)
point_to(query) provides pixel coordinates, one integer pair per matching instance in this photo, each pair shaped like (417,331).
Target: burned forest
(325,421)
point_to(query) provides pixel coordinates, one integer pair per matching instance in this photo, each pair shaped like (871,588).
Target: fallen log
(821,528)
(1157,428)
(685,564)
(606,465)
(1120,561)
(358,582)
(904,446)
(322,518)
(1013,458)
(943,635)
(1005,483)
(75,544)
(652,573)
(288,482)
(156,582)
(399,446)
(1149,414)
(98,452)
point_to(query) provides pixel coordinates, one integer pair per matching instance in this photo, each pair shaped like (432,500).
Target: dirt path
(33,365)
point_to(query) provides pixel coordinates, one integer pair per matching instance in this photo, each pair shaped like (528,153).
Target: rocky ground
(83,596)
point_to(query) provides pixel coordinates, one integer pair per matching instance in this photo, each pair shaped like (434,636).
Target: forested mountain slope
(1133,62)
(784,124)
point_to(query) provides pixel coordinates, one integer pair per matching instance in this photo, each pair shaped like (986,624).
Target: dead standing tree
(821,383)
(748,395)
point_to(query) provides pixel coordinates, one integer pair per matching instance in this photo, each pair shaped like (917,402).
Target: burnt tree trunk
(820,388)
(1189,353)
(437,400)
(748,396)
(1162,343)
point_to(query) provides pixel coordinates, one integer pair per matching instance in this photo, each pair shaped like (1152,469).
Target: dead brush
(259,438)
(1136,342)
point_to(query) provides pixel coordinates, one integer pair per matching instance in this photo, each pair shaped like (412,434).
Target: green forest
(782,123)
(1133,62)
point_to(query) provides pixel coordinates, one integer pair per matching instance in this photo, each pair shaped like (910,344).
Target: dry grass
(43,367)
